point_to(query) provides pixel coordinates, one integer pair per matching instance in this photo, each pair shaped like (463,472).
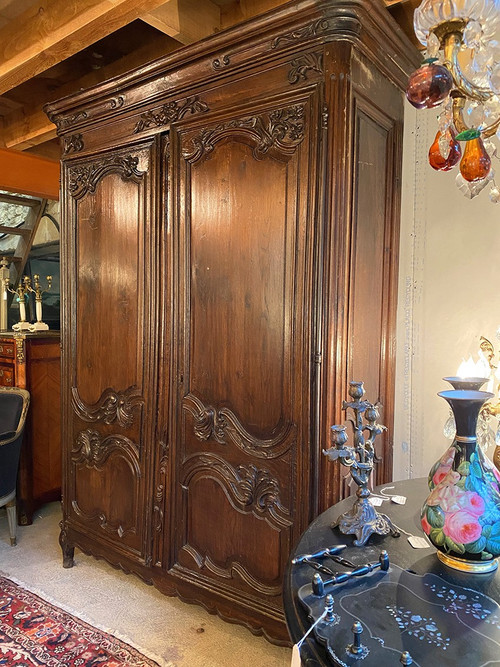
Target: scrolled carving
(92,450)
(248,488)
(116,102)
(170,112)
(209,423)
(257,488)
(84,178)
(65,122)
(303,64)
(157,508)
(73,144)
(109,527)
(220,63)
(67,548)
(281,130)
(228,572)
(307,32)
(111,104)
(112,406)
(223,426)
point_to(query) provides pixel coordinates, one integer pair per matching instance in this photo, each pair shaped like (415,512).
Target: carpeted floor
(171,632)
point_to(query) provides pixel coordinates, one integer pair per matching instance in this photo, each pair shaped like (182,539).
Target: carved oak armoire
(230,242)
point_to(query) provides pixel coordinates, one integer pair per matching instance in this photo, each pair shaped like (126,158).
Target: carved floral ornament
(223,426)
(281,130)
(84,178)
(248,488)
(309,31)
(73,144)
(112,406)
(170,112)
(93,450)
(304,64)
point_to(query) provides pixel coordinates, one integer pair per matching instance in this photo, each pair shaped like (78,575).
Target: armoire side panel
(374,249)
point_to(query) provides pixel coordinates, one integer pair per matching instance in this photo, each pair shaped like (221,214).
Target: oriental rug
(35,632)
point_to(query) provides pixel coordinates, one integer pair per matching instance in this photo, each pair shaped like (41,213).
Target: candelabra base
(21,326)
(38,326)
(363,521)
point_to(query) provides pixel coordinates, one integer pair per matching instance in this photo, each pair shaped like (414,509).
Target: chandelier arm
(491,130)
(451,45)
(458,117)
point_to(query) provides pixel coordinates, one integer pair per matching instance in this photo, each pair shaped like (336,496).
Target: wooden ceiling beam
(246,9)
(45,34)
(30,127)
(187,21)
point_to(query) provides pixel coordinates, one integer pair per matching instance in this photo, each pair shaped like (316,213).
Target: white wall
(448,293)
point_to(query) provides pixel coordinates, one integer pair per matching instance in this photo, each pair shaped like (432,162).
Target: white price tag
(418,542)
(399,500)
(296,662)
(376,502)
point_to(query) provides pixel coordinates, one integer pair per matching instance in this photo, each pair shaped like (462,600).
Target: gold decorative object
(20,291)
(4,275)
(38,291)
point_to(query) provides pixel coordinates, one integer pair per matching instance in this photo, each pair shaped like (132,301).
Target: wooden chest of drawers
(32,362)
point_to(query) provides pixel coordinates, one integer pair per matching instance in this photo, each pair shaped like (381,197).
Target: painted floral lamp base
(461,515)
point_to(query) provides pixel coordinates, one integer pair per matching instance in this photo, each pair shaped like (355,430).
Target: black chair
(14,405)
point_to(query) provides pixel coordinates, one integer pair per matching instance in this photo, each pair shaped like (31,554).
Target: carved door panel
(111,375)
(242,418)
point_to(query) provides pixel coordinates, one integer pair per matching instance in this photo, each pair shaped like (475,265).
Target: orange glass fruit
(436,159)
(476,163)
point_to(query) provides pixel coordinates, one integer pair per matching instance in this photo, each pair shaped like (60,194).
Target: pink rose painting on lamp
(461,515)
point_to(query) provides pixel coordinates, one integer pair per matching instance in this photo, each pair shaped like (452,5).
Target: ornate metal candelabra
(38,291)
(362,520)
(20,291)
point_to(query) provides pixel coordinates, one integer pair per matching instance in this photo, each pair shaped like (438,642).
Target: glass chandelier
(461,73)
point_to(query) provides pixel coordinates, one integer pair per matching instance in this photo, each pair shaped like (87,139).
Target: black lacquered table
(439,615)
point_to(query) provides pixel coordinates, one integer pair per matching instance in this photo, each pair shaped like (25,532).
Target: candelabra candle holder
(38,291)
(362,520)
(20,291)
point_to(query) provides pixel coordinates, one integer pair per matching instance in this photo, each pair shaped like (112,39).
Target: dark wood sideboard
(32,361)
(230,232)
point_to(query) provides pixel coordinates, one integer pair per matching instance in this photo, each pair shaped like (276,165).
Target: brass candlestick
(20,291)
(362,520)
(38,291)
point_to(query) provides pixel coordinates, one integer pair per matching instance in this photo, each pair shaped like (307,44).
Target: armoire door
(109,373)
(244,237)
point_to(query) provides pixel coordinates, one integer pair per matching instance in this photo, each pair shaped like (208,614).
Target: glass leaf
(433,45)
(495,78)
(495,194)
(472,34)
